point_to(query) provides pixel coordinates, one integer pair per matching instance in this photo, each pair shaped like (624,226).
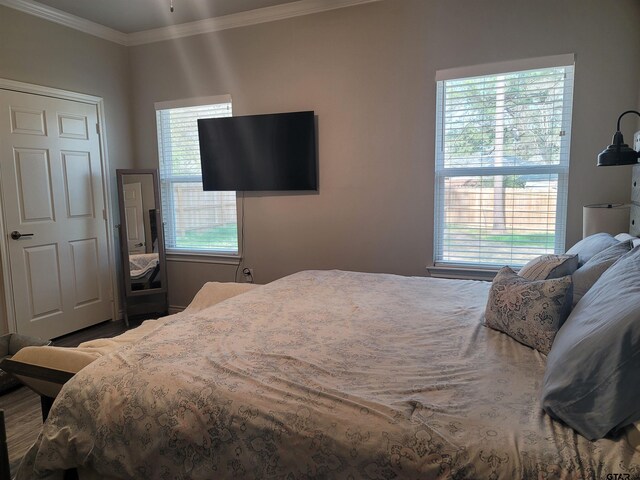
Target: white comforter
(322,375)
(142,263)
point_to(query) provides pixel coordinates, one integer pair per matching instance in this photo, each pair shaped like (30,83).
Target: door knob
(16,235)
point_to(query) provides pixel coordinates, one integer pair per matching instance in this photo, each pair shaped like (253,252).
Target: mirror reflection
(141,243)
(141,220)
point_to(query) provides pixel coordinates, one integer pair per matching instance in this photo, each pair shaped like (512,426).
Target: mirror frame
(124,244)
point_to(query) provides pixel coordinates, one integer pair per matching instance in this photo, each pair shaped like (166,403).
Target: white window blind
(502,163)
(195,220)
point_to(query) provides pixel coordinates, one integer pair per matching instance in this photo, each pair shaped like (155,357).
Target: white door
(134,218)
(52,201)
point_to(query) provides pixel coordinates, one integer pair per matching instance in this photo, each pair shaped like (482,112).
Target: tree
(511,119)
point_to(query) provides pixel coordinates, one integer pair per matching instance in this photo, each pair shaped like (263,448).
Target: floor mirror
(144,272)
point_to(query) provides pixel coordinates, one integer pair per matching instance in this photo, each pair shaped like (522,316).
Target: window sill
(462,273)
(198,257)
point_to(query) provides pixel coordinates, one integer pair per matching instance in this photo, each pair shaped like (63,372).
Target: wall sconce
(618,153)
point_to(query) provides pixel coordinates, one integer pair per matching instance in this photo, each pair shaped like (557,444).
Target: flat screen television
(259,152)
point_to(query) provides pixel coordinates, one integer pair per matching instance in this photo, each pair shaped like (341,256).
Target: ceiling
(130,16)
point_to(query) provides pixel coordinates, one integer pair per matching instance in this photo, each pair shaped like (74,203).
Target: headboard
(634,220)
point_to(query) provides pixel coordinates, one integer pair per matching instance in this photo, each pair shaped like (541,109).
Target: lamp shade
(618,153)
(610,218)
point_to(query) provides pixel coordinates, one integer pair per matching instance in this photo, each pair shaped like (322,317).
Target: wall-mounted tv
(259,152)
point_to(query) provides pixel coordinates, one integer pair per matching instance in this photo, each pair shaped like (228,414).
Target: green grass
(495,247)
(220,237)
(522,238)
(516,238)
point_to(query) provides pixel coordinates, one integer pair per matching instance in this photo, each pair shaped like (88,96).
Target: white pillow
(589,246)
(587,275)
(591,377)
(621,237)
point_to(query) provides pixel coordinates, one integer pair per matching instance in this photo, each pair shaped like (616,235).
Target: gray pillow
(529,311)
(591,380)
(590,272)
(549,266)
(589,246)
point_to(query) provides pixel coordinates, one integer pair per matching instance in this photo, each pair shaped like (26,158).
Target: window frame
(194,255)
(443,268)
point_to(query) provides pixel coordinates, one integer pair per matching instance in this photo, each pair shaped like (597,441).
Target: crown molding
(242,19)
(66,19)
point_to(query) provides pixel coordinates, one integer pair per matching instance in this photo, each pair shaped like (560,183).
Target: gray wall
(368,72)
(44,53)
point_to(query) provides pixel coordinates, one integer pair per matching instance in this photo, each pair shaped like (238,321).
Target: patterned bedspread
(323,375)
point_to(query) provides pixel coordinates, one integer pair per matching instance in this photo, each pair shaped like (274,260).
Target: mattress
(323,374)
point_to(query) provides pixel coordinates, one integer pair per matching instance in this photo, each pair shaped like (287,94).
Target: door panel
(84,254)
(33,178)
(73,126)
(28,121)
(50,174)
(44,289)
(134,212)
(77,182)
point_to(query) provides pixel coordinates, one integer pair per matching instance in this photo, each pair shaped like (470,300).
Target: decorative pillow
(589,246)
(590,272)
(591,380)
(529,311)
(549,266)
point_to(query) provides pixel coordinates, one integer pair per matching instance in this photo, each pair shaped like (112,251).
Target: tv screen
(259,152)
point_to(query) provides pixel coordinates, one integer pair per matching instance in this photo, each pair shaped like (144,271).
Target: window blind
(195,220)
(502,163)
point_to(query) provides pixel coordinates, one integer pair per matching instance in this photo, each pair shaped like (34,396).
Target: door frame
(7,294)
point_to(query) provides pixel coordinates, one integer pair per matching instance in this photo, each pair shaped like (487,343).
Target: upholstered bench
(45,369)
(11,344)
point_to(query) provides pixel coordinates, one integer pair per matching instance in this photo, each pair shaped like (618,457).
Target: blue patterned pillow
(529,311)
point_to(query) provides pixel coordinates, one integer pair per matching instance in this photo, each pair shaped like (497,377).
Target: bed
(323,374)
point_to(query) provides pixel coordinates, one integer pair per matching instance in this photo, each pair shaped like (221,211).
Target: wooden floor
(22,407)
(23,421)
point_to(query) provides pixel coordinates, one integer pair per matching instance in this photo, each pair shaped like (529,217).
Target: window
(195,220)
(502,162)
